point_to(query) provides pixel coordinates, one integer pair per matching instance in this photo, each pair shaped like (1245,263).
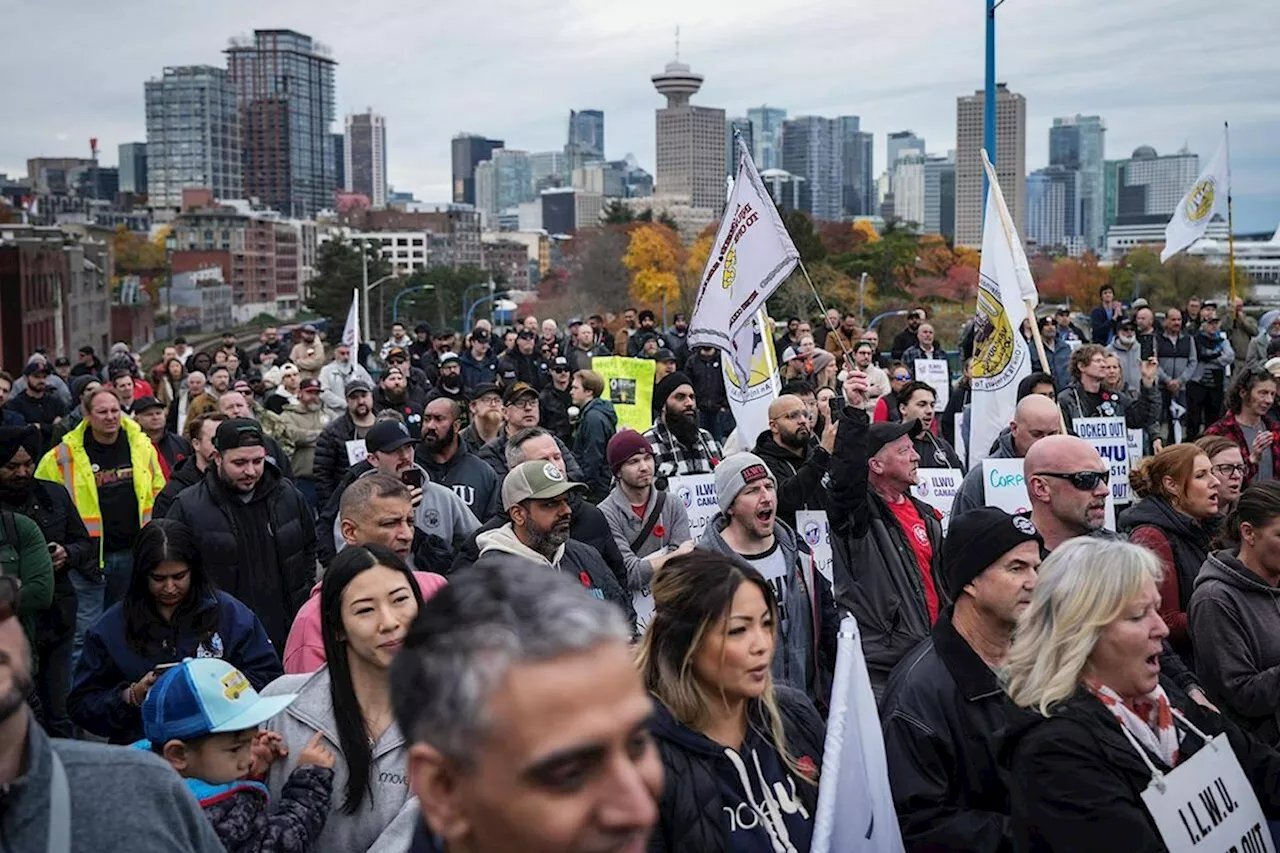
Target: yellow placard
(628,384)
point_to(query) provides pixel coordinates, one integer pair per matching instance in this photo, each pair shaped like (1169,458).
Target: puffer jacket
(184,475)
(246,822)
(697,774)
(805,657)
(1236,639)
(875,571)
(262,552)
(50,507)
(596,426)
(553,412)
(1182,544)
(331,456)
(801,479)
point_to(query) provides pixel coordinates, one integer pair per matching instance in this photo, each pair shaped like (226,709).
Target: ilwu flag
(855,806)
(1207,197)
(1001,355)
(351,331)
(751,257)
(749,400)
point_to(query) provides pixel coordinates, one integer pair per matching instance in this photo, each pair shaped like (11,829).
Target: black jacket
(495,453)
(800,480)
(409,408)
(50,506)
(936,452)
(183,475)
(691,807)
(472,480)
(587,526)
(1138,412)
(331,456)
(516,367)
(708,382)
(941,713)
(262,552)
(875,571)
(1076,781)
(596,425)
(174,448)
(553,411)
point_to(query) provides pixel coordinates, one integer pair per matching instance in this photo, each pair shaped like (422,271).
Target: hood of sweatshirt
(604,407)
(1158,513)
(1224,567)
(504,539)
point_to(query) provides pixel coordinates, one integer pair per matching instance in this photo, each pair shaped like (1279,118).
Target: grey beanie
(735,473)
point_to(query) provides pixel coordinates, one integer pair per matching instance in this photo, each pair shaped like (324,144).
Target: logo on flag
(996,359)
(1200,201)
(730,268)
(1207,196)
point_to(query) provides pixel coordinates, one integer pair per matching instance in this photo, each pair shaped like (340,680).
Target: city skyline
(517,80)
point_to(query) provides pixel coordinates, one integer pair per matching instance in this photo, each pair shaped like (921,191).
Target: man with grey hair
(510,681)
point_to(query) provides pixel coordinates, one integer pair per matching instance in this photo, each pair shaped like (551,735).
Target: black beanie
(14,437)
(978,538)
(666,388)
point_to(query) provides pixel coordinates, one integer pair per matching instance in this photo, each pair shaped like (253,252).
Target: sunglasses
(8,596)
(1085,481)
(902,377)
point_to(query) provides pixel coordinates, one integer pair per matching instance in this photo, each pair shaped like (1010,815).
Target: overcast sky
(1164,73)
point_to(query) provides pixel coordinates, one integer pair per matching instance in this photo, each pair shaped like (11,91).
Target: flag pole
(848,353)
(1231,231)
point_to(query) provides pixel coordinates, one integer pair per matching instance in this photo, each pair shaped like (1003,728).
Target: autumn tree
(1140,273)
(1074,280)
(654,257)
(593,277)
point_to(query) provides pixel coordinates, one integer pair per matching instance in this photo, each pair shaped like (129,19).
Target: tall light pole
(989,96)
(364,288)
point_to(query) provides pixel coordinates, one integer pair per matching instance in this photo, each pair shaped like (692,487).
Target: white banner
(749,402)
(812,526)
(1110,437)
(351,331)
(751,257)
(698,494)
(1208,196)
(937,487)
(935,373)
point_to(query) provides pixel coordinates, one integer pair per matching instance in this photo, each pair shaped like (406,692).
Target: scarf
(1150,720)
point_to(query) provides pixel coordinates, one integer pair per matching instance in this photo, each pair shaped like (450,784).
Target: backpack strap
(660,498)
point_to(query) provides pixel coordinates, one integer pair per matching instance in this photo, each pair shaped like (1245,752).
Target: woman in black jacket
(741,757)
(1101,722)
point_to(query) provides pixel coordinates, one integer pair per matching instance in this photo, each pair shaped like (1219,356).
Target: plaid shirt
(700,459)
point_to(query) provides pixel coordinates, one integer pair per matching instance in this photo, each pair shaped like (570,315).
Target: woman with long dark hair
(1249,424)
(741,755)
(170,612)
(368,599)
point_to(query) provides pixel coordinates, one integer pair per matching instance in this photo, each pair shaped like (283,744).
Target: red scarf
(1149,719)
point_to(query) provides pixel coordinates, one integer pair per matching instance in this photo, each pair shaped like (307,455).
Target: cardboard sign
(697,492)
(1005,487)
(935,373)
(937,487)
(812,527)
(1110,437)
(356,451)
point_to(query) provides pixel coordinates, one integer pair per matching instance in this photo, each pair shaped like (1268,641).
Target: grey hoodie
(669,533)
(972,492)
(386,820)
(1234,618)
(440,513)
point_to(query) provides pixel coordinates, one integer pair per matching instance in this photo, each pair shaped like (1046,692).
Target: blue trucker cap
(204,696)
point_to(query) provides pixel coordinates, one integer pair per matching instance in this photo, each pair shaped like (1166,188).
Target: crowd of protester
(430,595)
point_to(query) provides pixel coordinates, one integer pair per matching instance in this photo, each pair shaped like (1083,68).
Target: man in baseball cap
(535,494)
(944,702)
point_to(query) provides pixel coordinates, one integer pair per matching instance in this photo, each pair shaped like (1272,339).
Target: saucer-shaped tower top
(677,83)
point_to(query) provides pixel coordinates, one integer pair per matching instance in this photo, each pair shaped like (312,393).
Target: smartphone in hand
(412,477)
(1148,346)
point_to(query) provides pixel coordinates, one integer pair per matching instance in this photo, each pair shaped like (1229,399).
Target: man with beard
(308,353)
(154,813)
(479,364)
(647,332)
(603,337)
(252,527)
(417,387)
(680,446)
(200,434)
(944,703)
(907,337)
(235,404)
(171,449)
(219,383)
(271,344)
(334,377)
(551,343)
(523,364)
(798,465)
(584,349)
(449,374)
(535,496)
(519,412)
(678,339)
(305,420)
(1126,348)
(393,394)
(622,340)
(341,444)
(68,547)
(554,400)
(37,403)
(449,462)
(485,408)
(706,378)
(841,338)
(399,340)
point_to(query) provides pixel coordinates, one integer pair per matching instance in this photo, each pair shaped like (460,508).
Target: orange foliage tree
(1074,280)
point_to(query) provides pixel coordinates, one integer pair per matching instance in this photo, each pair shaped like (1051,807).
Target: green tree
(338,273)
(617,213)
(889,261)
(1140,273)
(804,235)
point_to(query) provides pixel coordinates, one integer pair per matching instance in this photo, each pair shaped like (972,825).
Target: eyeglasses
(1231,470)
(524,404)
(8,596)
(1085,481)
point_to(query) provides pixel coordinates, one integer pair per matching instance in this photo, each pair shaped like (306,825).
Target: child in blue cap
(202,717)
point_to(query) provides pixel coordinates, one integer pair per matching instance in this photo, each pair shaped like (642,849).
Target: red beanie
(625,444)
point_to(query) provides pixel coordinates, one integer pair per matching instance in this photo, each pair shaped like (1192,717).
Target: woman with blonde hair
(1103,727)
(1176,519)
(741,755)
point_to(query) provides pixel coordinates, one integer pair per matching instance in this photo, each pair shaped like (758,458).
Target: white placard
(356,451)
(935,373)
(937,487)
(698,494)
(1137,440)
(1110,437)
(812,526)
(961,446)
(1207,805)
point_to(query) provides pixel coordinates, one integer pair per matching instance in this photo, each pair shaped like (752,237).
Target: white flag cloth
(749,401)
(1207,197)
(855,806)
(751,257)
(351,331)
(1001,355)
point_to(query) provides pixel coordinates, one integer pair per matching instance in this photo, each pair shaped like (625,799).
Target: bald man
(1036,417)
(798,464)
(1067,485)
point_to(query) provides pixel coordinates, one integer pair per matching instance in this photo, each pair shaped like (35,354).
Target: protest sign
(1004,485)
(937,487)
(697,492)
(1110,437)
(628,385)
(934,373)
(812,526)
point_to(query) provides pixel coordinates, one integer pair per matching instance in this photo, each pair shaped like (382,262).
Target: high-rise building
(1011,161)
(284,82)
(811,150)
(909,187)
(133,168)
(766,136)
(1079,143)
(339,161)
(899,142)
(1046,210)
(468,151)
(742,126)
(504,182)
(690,141)
(940,195)
(1151,185)
(365,157)
(549,169)
(858,185)
(586,138)
(193,135)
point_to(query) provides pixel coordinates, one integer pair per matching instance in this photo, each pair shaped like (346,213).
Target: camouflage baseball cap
(536,480)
